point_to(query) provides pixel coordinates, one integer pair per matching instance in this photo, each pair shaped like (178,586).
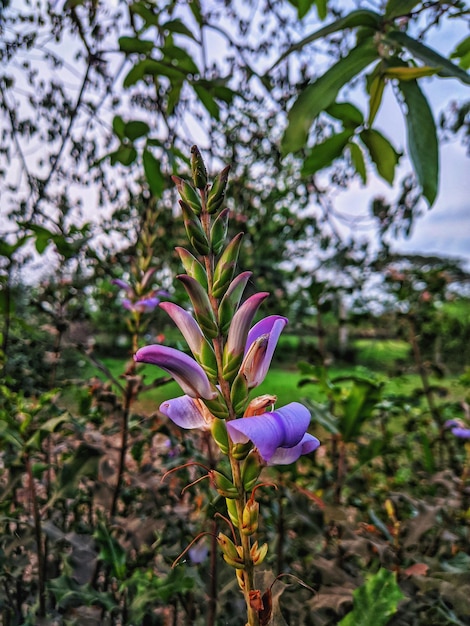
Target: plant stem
(39,540)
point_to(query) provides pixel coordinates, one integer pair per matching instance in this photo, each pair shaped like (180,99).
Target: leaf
(397,8)
(119,126)
(319,95)
(349,114)
(111,551)
(134,44)
(422,139)
(84,463)
(323,154)
(361,17)
(357,159)
(382,153)
(177,26)
(125,155)
(410,72)
(428,56)
(135,129)
(302,6)
(375,601)
(153,173)
(207,100)
(376,91)
(358,406)
(151,67)
(462,52)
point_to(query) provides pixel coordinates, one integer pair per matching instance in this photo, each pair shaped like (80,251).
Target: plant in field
(230,358)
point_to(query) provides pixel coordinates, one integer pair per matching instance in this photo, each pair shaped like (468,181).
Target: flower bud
(250,471)
(192,266)
(201,304)
(194,231)
(258,554)
(225,268)
(232,554)
(219,231)
(232,511)
(250,517)
(216,194)
(231,300)
(188,194)
(240,450)
(239,394)
(219,434)
(198,169)
(223,485)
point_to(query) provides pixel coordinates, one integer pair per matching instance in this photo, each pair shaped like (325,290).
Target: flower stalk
(229,358)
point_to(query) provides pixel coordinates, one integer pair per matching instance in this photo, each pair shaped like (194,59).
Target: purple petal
(239,327)
(187,373)
(147,304)
(285,456)
(122,284)
(460,432)
(283,428)
(184,412)
(187,325)
(260,346)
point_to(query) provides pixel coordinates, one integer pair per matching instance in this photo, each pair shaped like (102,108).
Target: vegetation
(103,516)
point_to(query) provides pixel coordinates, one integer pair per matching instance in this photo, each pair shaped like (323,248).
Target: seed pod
(258,554)
(198,169)
(230,552)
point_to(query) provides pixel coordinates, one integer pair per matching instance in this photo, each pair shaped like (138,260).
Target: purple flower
(458,429)
(185,370)
(259,350)
(144,305)
(280,436)
(187,412)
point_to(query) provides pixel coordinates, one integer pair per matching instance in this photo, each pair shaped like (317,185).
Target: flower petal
(285,456)
(259,350)
(239,327)
(187,325)
(184,412)
(187,373)
(283,428)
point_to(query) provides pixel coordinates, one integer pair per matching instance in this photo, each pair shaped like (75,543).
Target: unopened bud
(258,554)
(250,471)
(198,169)
(223,485)
(250,517)
(217,191)
(232,554)
(188,194)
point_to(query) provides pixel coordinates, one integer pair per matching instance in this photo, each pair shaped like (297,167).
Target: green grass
(381,354)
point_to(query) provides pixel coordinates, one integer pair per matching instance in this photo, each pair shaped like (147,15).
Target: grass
(283,377)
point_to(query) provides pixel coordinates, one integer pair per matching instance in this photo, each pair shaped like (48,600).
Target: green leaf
(179,58)
(382,153)
(323,154)
(84,463)
(125,155)
(358,406)
(357,159)
(177,26)
(395,8)
(207,100)
(429,56)
(119,126)
(302,6)
(322,8)
(319,95)
(135,129)
(422,139)
(134,44)
(111,551)
(375,601)
(153,173)
(361,17)
(376,91)
(150,67)
(462,52)
(349,114)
